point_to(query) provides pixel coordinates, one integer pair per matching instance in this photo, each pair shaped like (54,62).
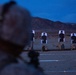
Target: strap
(11,48)
(22,59)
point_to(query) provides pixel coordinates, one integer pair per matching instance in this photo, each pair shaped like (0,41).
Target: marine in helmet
(15,34)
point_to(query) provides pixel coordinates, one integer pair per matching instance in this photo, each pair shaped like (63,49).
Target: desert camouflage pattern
(17,29)
(19,68)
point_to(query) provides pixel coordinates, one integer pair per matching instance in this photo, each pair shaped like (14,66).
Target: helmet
(15,24)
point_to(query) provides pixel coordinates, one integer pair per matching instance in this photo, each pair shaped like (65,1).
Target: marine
(15,34)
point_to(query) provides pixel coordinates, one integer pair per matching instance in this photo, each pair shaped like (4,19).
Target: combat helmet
(15,27)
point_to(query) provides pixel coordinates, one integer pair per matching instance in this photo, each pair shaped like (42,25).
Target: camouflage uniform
(15,29)
(16,68)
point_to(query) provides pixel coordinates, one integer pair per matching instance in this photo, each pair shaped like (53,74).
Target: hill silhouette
(45,24)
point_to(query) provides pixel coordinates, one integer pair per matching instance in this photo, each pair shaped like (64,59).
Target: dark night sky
(56,10)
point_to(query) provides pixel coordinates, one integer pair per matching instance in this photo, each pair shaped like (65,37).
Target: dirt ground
(52,43)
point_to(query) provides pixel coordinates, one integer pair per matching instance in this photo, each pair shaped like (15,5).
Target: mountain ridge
(43,24)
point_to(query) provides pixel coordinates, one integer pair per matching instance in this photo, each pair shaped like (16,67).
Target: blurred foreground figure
(15,33)
(73,40)
(44,40)
(61,39)
(34,60)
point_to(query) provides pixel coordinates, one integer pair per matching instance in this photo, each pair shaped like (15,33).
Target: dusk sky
(56,10)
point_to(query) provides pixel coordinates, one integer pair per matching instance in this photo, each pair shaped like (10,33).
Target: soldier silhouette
(32,39)
(73,41)
(73,37)
(61,39)
(61,36)
(44,40)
